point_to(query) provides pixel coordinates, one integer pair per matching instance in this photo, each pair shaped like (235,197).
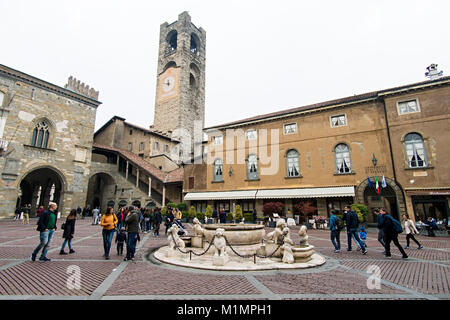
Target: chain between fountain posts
(246,256)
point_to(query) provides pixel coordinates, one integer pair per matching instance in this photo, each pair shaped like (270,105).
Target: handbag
(63,226)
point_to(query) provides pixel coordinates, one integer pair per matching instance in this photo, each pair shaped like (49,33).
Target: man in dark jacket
(46,226)
(352,223)
(380,231)
(223,216)
(132,222)
(158,220)
(387,224)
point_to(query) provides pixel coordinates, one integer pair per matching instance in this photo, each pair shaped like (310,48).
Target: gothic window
(41,135)
(218,140)
(415,150)
(172,41)
(195,43)
(130,146)
(2,96)
(292,164)
(252,167)
(218,170)
(342,158)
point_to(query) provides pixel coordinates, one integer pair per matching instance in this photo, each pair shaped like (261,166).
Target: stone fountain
(239,247)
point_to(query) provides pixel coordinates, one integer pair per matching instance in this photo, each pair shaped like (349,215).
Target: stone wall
(70,117)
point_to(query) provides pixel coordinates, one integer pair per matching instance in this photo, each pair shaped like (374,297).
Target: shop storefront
(430,203)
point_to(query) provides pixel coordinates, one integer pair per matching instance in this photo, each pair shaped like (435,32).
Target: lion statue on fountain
(220,243)
(174,239)
(198,229)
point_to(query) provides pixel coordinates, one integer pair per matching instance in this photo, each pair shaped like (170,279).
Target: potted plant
(229,217)
(192,213)
(208,213)
(237,214)
(362,211)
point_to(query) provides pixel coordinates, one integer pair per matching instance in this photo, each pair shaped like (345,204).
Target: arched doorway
(101,190)
(390,198)
(39,187)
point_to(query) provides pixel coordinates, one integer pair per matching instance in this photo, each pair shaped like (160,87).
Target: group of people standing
(388,231)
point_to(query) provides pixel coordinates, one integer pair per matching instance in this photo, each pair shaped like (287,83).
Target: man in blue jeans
(352,222)
(132,222)
(46,227)
(335,231)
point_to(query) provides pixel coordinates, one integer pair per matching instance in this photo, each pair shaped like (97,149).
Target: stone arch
(101,189)
(172,40)
(170,64)
(396,188)
(41,184)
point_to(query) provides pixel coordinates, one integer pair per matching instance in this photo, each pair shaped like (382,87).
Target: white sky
(261,56)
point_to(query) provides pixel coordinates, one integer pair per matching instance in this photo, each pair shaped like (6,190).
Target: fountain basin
(237,234)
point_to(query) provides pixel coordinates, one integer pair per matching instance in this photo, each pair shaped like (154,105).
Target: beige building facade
(322,156)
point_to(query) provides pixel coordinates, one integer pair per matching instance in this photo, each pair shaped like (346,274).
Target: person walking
(79,212)
(223,216)
(410,230)
(215,216)
(169,220)
(146,221)
(95,214)
(26,214)
(121,215)
(390,234)
(85,212)
(158,221)
(69,231)
(109,223)
(46,226)
(254,215)
(335,228)
(17,213)
(120,240)
(352,224)
(380,230)
(39,211)
(132,222)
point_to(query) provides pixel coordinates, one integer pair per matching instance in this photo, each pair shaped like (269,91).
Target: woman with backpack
(335,228)
(410,229)
(69,230)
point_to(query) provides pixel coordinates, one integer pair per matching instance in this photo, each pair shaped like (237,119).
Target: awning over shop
(306,193)
(348,191)
(221,195)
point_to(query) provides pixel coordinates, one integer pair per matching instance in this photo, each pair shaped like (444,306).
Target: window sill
(296,177)
(221,181)
(344,174)
(39,148)
(420,168)
(252,179)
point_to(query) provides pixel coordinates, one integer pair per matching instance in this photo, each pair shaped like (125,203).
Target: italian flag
(377,186)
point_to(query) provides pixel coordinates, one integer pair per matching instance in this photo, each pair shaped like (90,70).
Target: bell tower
(180,91)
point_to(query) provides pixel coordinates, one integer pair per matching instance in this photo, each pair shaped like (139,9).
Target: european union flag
(370,182)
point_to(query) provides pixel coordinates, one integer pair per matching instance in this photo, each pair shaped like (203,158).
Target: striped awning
(221,195)
(306,193)
(347,191)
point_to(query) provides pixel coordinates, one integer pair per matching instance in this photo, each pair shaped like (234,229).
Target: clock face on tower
(168,84)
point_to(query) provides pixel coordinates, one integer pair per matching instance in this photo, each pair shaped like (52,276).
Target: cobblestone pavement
(345,276)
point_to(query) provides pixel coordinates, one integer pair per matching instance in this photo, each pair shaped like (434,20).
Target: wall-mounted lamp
(230,172)
(374,160)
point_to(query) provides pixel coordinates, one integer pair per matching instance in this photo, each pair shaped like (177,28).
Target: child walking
(120,240)
(69,231)
(363,236)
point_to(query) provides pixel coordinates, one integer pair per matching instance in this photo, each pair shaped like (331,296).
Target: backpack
(397,225)
(338,224)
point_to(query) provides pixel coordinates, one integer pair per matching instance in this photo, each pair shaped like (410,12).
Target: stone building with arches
(46,135)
